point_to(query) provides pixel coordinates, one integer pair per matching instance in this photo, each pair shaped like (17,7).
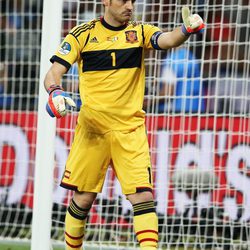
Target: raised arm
(191,24)
(175,38)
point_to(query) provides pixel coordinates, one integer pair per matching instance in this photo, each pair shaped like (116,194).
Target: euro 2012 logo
(65,49)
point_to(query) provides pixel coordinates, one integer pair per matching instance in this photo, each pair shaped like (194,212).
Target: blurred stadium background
(197,104)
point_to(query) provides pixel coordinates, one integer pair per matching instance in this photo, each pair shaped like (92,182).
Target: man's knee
(84,199)
(140,197)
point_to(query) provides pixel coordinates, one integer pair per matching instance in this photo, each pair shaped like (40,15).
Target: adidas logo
(93,40)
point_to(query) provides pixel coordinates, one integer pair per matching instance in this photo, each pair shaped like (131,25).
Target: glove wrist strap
(54,87)
(184,30)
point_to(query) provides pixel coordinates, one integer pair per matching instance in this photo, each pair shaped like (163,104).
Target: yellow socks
(74,226)
(146,225)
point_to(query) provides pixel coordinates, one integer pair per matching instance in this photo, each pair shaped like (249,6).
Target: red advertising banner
(215,145)
(183,148)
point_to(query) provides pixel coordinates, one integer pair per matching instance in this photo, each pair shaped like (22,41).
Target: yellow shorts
(91,154)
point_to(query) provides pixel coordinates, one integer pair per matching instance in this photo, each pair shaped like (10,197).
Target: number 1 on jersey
(113,59)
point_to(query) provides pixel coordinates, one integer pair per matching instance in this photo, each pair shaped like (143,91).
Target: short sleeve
(148,31)
(70,49)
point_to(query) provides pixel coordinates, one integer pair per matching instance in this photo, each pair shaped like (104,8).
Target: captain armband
(154,40)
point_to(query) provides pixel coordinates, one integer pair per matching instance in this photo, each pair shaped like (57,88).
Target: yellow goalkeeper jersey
(111,72)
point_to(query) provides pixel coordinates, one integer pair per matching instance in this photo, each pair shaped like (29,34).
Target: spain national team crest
(131,36)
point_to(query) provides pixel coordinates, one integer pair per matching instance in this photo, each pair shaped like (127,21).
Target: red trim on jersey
(74,238)
(146,231)
(73,246)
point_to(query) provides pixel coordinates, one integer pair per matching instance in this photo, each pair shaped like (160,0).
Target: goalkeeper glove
(191,23)
(56,106)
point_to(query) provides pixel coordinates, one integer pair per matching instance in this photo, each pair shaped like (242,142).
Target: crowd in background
(209,74)
(20,34)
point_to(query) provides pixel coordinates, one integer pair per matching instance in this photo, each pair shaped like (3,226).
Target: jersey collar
(108,26)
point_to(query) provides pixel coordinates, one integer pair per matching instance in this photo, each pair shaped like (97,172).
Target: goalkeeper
(110,129)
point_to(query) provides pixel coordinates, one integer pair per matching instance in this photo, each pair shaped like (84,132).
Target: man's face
(119,10)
